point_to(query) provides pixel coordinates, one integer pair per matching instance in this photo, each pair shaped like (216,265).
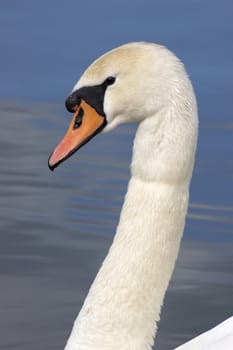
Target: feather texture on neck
(152,88)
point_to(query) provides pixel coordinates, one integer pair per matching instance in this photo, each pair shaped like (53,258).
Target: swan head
(130,83)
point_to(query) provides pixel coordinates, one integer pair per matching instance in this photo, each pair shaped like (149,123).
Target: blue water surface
(56,228)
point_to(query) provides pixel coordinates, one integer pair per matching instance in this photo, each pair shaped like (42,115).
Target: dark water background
(56,227)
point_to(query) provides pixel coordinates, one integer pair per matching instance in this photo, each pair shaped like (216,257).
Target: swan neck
(165,143)
(123,306)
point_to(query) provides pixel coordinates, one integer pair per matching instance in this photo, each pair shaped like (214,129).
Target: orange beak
(85,124)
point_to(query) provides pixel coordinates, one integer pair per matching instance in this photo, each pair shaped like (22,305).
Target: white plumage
(218,338)
(123,305)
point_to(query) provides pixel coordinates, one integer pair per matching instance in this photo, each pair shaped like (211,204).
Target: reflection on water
(215,213)
(56,229)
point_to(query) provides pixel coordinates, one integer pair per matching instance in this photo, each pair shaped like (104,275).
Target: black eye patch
(93,95)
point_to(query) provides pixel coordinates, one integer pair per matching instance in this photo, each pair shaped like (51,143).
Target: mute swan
(147,84)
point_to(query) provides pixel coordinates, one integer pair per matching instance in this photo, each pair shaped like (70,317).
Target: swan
(144,83)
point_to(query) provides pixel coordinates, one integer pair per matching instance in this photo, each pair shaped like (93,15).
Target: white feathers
(218,338)
(124,302)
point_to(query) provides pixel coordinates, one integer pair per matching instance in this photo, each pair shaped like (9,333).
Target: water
(56,227)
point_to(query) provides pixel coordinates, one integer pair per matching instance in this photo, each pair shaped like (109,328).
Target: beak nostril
(72,102)
(78,119)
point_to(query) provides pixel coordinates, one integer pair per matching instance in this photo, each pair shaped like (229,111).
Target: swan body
(218,338)
(148,85)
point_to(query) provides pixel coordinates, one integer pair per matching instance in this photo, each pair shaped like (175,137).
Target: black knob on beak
(72,101)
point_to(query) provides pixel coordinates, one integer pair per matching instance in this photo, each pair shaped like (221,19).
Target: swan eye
(110,81)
